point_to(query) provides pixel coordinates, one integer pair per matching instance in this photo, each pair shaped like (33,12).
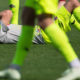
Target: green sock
(76,13)
(60,41)
(14,7)
(74,23)
(23,45)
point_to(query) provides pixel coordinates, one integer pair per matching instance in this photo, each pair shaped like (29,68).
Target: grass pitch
(43,62)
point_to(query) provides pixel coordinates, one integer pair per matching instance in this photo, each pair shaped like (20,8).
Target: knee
(44,20)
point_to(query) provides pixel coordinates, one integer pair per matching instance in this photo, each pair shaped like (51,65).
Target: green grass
(43,62)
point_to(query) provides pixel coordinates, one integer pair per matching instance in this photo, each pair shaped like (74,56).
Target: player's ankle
(75,63)
(15,66)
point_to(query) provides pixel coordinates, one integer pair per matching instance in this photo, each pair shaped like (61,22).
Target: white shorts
(11,33)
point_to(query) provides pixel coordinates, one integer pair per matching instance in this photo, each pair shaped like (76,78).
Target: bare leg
(71,5)
(28,16)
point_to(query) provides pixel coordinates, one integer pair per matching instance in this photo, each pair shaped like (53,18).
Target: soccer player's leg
(45,37)
(25,40)
(76,11)
(74,21)
(76,69)
(56,35)
(14,7)
(28,18)
(74,7)
(61,42)
(23,46)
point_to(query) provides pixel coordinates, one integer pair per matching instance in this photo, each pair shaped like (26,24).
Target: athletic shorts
(43,6)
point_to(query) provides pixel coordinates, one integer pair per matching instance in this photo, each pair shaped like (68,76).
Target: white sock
(75,63)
